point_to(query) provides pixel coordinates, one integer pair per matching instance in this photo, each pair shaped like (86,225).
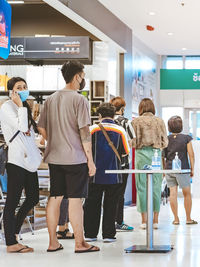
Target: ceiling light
(42,35)
(170,33)
(184,48)
(16,2)
(58,35)
(151,13)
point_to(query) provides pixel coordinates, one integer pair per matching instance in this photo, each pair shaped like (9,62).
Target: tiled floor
(186,240)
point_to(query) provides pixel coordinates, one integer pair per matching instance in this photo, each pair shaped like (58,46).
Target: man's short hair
(175,124)
(106,110)
(70,69)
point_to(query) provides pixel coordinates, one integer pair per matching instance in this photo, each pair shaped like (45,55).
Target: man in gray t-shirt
(64,123)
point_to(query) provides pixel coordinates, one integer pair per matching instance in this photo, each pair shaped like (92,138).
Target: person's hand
(191,172)
(92,168)
(16,99)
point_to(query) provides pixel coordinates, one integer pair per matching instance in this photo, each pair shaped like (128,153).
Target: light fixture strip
(15,2)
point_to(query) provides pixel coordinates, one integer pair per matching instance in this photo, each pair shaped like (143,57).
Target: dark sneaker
(109,240)
(89,239)
(123,227)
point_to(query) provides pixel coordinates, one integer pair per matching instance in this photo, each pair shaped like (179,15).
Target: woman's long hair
(11,83)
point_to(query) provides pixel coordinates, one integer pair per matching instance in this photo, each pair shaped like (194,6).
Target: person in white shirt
(23,160)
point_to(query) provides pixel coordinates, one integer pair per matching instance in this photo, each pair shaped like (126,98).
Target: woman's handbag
(4,154)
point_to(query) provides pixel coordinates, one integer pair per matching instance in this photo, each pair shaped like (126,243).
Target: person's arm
(131,134)
(164,135)
(43,132)
(191,157)
(125,143)
(134,141)
(163,154)
(87,146)
(42,123)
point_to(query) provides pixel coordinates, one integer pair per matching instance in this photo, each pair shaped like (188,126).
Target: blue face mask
(23,95)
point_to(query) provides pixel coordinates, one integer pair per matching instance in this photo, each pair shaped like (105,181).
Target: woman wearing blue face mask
(23,160)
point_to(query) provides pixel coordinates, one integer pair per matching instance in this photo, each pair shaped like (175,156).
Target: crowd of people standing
(78,155)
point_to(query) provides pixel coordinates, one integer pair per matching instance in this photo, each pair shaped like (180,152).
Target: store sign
(17,48)
(57,47)
(50,48)
(179,79)
(5,27)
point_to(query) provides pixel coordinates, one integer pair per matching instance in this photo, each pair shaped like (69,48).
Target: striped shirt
(104,157)
(127,125)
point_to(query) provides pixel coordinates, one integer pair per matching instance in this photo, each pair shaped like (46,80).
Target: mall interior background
(131,71)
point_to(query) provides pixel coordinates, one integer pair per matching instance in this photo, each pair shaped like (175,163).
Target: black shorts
(70,181)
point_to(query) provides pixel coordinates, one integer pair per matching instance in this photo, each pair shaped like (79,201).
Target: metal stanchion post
(149,232)
(149,247)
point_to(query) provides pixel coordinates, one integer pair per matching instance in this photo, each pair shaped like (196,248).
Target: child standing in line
(182,144)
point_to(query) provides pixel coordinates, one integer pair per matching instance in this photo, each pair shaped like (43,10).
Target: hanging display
(5,28)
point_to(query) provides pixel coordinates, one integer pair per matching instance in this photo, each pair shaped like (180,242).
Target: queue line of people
(76,152)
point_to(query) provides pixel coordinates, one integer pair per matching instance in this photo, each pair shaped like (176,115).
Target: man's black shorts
(70,181)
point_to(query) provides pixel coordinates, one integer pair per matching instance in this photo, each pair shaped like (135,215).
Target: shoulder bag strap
(109,141)
(14,136)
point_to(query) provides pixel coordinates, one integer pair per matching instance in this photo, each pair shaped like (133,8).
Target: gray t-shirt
(64,113)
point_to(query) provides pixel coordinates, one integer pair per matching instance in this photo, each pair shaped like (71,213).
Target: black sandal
(63,234)
(57,249)
(88,250)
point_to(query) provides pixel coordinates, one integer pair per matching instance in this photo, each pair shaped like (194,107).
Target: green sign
(179,79)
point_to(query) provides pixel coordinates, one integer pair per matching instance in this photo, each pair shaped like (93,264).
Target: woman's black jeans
(18,179)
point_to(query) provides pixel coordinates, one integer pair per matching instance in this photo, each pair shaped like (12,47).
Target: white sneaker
(155,226)
(143,226)
(87,239)
(109,240)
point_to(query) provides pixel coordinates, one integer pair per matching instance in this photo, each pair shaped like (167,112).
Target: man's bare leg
(53,213)
(76,220)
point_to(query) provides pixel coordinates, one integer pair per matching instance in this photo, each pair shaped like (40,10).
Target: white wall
(195,179)
(145,85)
(145,76)
(180,98)
(105,66)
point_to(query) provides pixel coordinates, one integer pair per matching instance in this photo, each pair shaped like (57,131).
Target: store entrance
(192,122)
(190,116)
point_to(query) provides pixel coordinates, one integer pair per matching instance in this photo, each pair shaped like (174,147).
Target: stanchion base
(144,249)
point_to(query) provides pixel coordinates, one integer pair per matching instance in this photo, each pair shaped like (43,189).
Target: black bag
(4,154)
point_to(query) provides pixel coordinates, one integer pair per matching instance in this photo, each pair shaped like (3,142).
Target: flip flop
(192,222)
(88,250)
(22,250)
(63,235)
(54,250)
(175,223)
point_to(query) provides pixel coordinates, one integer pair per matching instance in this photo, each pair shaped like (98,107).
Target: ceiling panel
(170,16)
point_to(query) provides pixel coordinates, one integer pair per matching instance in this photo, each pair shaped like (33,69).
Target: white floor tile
(186,241)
